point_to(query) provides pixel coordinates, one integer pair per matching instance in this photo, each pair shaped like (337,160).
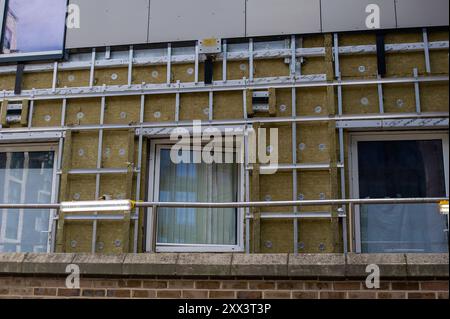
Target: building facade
(348,112)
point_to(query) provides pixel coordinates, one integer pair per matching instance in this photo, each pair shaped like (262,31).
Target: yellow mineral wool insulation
(122,110)
(312,101)
(77,78)
(313,143)
(159,108)
(434,97)
(360,99)
(84,150)
(154,74)
(270,68)
(403,64)
(41,80)
(47,113)
(83,111)
(111,76)
(399,98)
(7,82)
(115,150)
(358,66)
(228,105)
(194,106)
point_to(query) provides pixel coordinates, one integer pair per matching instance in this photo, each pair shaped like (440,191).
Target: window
(32,29)
(194,229)
(27,175)
(400,166)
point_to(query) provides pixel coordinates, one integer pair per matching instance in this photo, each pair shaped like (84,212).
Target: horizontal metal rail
(300,203)
(315,80)
(250,121)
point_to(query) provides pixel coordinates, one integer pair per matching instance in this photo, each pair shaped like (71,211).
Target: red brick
(195,294)
(249,294)
(144,294)
(169,294)
(262,285)
(442,295)
(391,295)
(234,284)
(94,293)
(207,284)
(421,295)
(130,283)
(103,284)
(405,286)
(277,294)
(154,284)
(290,285)
(434,285)
(181,284)
(305,295)
(21,291)
(347,285)
(362,295)
(118,293)
(45,291)
(315,285)
(332,295)
(64,292)
(217,294)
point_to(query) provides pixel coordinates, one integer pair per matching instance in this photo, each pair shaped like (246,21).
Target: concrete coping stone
(229,264)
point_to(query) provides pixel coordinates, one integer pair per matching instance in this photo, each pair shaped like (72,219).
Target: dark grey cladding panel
(422,13)
(349,15)
(110,22)
(176,20)
(275,17)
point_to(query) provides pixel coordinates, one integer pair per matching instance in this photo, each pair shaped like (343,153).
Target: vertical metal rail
(247,174)
(196,63)
(58,177)
(337,71)
(92,71)
(30,114)
(417,91)
(293,68)
(177,107)
(55,77)
(169,64)
(380,96)
(130,66)
(426,47)
(250,59)
(139,175)
(224,60)
(99,166)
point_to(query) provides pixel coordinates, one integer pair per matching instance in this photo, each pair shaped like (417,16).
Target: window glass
(34,26)
(196,183)
(25,177)
(402,169)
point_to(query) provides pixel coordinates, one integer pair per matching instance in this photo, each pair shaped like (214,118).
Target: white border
(150,238)
(5,148)
(354,138)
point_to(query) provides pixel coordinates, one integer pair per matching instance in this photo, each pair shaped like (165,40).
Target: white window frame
(151,245)
(387,136)
(41,147)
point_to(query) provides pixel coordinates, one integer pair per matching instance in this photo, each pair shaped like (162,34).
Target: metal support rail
(303,203)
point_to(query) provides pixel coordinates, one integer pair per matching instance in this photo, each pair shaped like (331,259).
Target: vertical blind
(191,182)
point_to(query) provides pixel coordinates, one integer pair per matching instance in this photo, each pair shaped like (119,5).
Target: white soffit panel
(274,17)
(351,15)
(183,20)
(109,22)
(425,13)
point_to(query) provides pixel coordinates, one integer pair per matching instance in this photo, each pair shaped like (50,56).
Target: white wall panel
(275,17)
(425,13)
(347,15)
(175,20)
(109,22)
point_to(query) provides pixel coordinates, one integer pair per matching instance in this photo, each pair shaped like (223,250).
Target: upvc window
(402,165)
(27,175)
(194,229)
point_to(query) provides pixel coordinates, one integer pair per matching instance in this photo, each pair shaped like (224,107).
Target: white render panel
(424,13)
(348,15)
(175,20)
(109,22)
(275,17)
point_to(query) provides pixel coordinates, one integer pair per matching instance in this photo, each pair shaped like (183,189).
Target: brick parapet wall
(219,288)
(224,276)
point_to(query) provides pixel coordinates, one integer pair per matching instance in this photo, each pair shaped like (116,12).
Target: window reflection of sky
(39,24)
